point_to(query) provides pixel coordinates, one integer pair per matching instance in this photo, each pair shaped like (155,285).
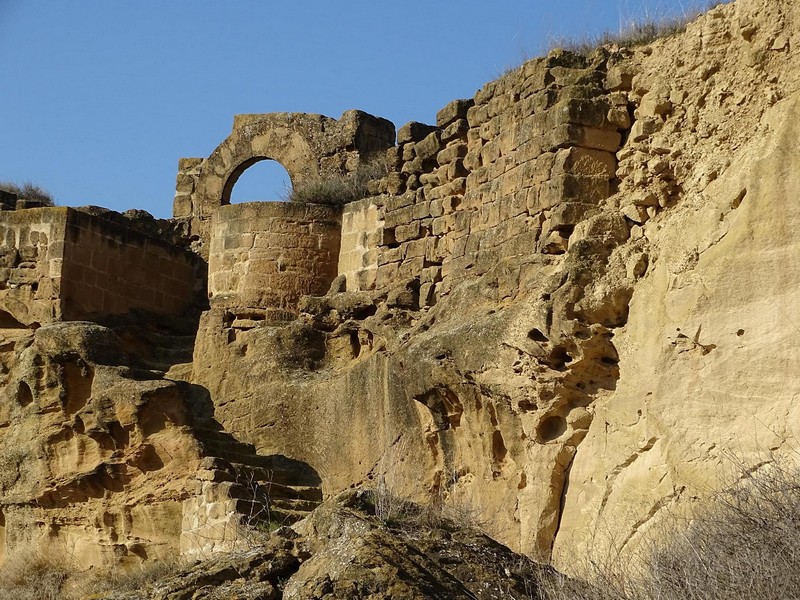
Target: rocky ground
(351,548)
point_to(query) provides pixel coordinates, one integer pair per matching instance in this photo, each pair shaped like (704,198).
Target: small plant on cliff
(28,191)
(341,188)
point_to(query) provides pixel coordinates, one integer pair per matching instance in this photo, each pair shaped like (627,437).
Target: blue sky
(100,98)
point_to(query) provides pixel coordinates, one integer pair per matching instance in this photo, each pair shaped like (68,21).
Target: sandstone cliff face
(708,355)
(560,391)
(95,455)
(566,308)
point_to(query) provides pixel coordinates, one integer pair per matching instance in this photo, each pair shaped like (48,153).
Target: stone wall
(265,255)
(63,264)
(185,185)
(31,257)
(110,269)
(508,172)
(362,234)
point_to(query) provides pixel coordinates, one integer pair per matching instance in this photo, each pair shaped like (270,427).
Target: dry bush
(260,520)
(132,579)
(33,575)
(28,191)
(339,189)
(446,508)
(657,23)
(746,544)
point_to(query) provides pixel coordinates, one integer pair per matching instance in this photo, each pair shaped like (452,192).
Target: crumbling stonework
(306,145)
(65,264)
(563,305)
(265,256)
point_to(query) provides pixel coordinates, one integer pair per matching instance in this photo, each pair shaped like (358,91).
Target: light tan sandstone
(568,304)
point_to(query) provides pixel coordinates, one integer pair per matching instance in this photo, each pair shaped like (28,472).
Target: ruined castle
(518,316)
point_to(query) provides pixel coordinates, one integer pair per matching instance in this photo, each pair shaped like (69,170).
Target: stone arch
(305,145)
(233,179)
(267,138)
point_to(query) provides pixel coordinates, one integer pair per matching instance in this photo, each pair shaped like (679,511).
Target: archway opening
(259,179)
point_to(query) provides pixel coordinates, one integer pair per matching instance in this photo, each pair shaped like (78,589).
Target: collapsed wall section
(58,263)
(265,255)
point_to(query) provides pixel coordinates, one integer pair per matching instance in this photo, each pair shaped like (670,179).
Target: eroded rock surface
(95,452)
(565,306)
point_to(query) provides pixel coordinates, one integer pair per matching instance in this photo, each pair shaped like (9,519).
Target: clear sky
(99,98)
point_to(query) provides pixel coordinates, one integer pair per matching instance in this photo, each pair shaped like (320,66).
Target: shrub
(637,33)
(132,579)
(28,191)
(33,575)
(339,189)
(746,544)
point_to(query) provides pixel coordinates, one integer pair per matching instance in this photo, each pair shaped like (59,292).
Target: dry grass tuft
(33,575)
(745,545)
(656,25)
(129,580)
(339,189)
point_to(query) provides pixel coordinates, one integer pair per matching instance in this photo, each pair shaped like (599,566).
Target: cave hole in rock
(355,344)
(119,434)
(259,179)
(551,428)
(24,394)
(499,450)
(537,336)
(7,321)
(445,407)
(147,459)
(78,380)
(2,538)
(559,358)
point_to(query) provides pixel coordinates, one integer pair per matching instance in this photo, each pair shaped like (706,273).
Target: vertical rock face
(567,303)
(94,458)
(708,356)
(575,300)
